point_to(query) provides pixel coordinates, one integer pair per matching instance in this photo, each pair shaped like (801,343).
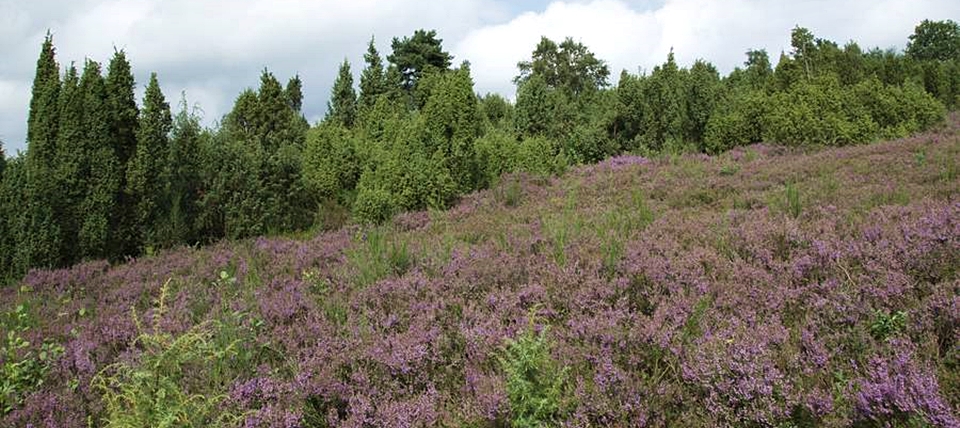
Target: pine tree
(342,107)
(417,54)
(39,235)
(372,78)
(145,175)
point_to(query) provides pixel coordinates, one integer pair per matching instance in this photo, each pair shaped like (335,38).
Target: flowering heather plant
(668,292)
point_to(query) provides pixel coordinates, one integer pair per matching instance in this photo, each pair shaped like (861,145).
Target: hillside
(762,287)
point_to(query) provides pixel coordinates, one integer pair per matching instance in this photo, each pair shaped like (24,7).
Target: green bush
(737,122)
(373,204)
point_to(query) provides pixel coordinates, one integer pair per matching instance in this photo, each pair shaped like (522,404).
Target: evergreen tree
(123,116)
(71,173)
(535,107)
(372,78)
(342,107)
(453,121)
(417,54)
(42,120)
(13,189)
(184,181)
(99,165)
(145,175)
(703,94)
(122,105)
(665,112)
(294,93)
(39,243)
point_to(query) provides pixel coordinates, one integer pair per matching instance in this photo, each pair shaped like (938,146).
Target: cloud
(634,36)
(213,49)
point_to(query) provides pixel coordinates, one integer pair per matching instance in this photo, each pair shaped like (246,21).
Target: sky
(210,50)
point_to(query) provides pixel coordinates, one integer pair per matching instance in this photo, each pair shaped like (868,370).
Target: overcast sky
(213,49)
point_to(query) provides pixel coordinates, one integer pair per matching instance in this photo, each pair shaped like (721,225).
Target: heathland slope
(762,287)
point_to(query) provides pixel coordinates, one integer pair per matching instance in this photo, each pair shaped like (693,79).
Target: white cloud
(631,38)
(215,48)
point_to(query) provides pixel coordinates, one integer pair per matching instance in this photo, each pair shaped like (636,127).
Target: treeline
(105,178)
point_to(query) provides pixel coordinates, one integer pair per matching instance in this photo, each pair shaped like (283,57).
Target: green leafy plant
(175,382)
(887,324)
(23,369)
(537,385)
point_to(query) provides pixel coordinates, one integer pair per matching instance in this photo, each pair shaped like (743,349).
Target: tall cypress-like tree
(104,174)
(39,243)
(183,179)
(71,172)
(372,78)
(145,175)
(342,107)
(123,115)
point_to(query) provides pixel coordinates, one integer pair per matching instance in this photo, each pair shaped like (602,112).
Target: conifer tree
(452,117)
(294,93)
(39,243)
(123,118)
(101,169)
(372,78)
(184,180)
(417,54)
(71,173)
(145,175)
(342,107)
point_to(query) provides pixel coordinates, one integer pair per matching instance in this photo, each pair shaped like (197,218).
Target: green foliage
(146,174)
(738,121)
(887,324)
(537,386)
(342,107)
(495,110)
(453,122)
(294,93)
(100,169)
(184,181)
(329,163)
(176,381)
(418,54)
(373,81)
(568,67)
(935,40)
(24,369)
(664,110)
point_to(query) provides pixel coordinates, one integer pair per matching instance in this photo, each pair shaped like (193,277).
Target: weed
(537,386)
